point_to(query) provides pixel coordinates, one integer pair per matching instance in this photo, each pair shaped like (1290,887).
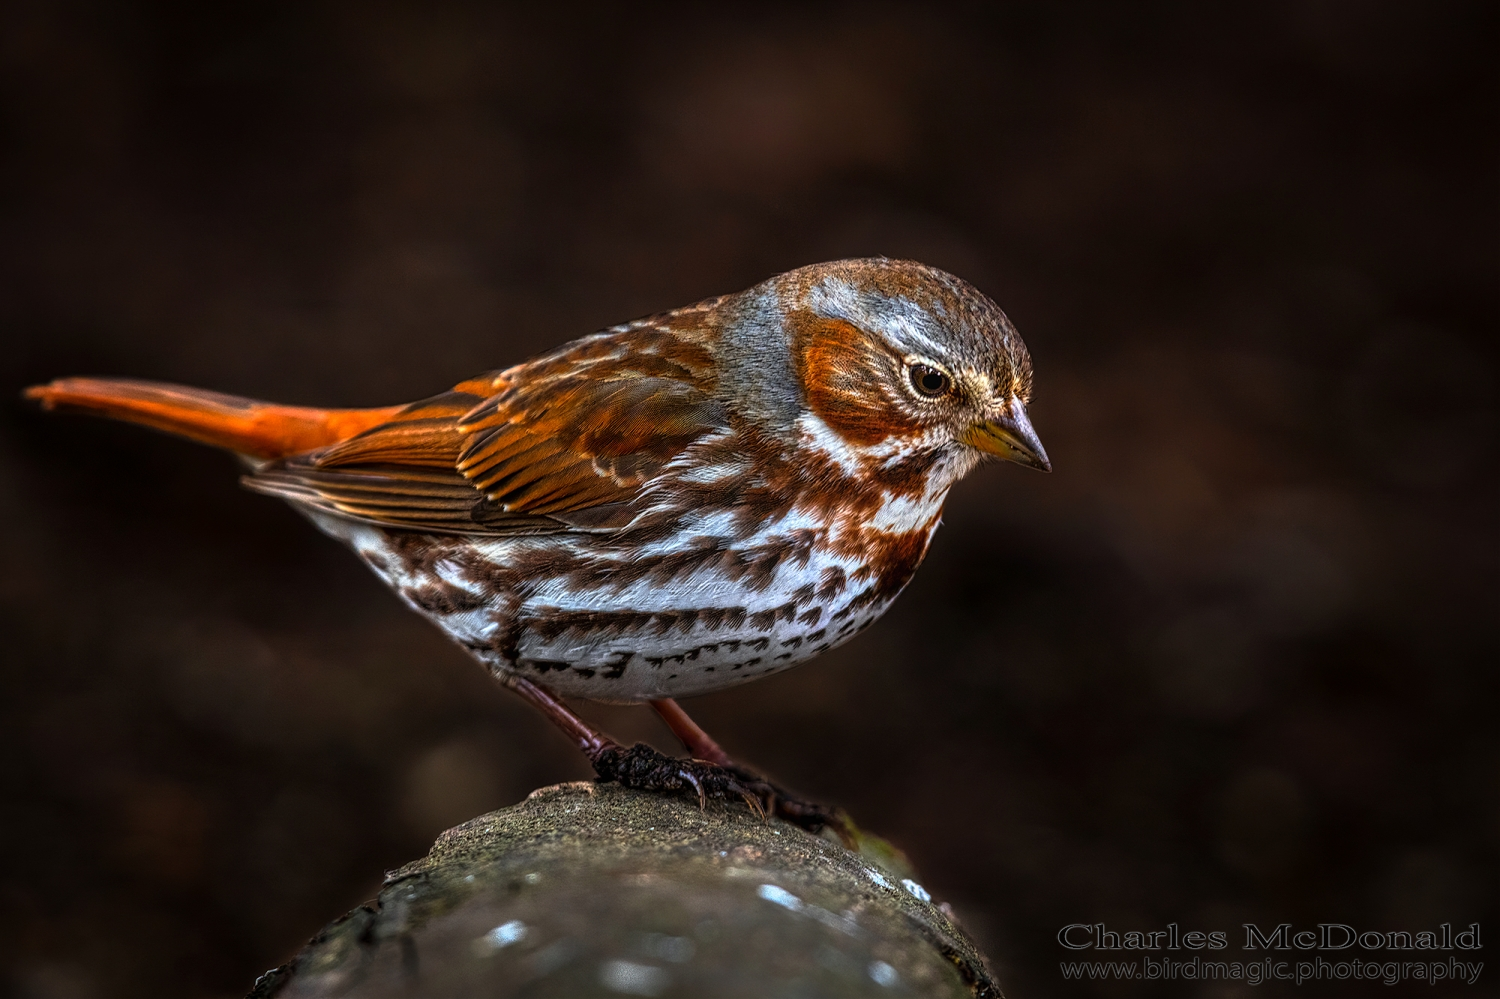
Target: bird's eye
(928,381)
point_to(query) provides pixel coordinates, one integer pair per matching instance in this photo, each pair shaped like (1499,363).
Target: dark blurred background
(1234,660)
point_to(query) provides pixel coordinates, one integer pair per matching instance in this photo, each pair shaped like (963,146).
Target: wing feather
(563,442)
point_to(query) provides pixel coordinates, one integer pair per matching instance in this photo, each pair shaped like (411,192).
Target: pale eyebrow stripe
(837,299)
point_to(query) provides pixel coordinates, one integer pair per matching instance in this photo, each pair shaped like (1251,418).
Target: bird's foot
(645,769)
(810,815)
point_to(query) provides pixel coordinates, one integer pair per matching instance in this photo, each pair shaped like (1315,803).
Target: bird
(668,507)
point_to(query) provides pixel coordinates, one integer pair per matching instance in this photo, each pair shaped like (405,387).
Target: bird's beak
(1010,437)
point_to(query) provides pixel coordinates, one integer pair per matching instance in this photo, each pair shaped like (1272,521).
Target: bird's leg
(589,739)
(774,800)
(639,766)
(693,738)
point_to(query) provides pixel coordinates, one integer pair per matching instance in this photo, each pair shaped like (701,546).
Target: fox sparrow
(671,506)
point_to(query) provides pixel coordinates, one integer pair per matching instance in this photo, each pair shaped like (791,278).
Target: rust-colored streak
(894,558)
(846,373)
(246,426)
(587,424)
(424,434)
(574,430)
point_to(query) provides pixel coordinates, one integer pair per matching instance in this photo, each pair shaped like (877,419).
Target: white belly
(630,636)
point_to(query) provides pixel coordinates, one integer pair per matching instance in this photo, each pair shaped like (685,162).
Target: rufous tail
(257,429)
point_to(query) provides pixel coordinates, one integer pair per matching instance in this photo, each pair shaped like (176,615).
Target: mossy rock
(594,890)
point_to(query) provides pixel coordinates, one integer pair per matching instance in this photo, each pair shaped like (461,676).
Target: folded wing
(563,442)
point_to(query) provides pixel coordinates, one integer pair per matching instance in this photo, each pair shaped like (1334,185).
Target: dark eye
(928,381)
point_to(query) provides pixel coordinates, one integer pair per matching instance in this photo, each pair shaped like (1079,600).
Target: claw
(697,786)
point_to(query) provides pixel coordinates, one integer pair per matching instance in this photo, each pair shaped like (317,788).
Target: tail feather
(257,429)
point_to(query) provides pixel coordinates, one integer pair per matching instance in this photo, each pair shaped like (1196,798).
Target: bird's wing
(562,442)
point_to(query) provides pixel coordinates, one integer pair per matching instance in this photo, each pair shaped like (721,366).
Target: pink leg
(697,741)
(589,739)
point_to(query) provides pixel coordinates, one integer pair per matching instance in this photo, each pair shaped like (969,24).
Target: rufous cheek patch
(846,375)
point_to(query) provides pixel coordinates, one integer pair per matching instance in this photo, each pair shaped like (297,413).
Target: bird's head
(890,359)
